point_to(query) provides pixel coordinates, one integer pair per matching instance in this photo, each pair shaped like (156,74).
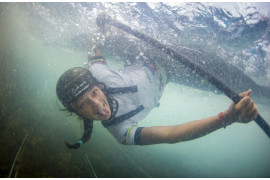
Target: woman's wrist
(229,117)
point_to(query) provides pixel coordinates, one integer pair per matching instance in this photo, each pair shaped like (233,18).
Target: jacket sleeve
(127,133)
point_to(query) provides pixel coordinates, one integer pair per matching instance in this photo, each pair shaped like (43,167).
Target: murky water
(37,45)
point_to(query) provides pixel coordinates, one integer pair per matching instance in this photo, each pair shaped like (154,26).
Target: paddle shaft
(105,19)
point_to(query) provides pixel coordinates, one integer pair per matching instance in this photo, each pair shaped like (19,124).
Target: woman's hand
(244,111)
(97,39)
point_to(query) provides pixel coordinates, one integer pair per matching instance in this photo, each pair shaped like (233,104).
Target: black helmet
(72,84)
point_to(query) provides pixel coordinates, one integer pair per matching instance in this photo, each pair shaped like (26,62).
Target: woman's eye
(83,105)
(95,91)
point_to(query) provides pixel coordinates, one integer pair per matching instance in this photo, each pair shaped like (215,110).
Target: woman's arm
(243,112)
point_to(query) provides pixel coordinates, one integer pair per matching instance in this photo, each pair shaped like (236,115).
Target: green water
(29,72)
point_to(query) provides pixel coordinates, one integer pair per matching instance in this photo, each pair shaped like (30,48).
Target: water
(39,41)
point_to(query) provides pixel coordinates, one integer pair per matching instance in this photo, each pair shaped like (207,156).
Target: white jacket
(148,80)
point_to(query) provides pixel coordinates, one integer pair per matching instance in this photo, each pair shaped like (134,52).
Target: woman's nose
(94,102)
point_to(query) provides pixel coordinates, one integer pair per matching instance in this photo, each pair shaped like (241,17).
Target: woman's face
(93,104)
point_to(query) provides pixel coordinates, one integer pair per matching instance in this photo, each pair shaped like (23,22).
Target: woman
(120,99)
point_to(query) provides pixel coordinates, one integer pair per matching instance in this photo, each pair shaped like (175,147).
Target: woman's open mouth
(103,111)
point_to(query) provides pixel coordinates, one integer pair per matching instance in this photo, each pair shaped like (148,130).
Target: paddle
(103,19)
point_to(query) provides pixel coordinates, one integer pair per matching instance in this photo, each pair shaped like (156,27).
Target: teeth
(99,111)
(101,108)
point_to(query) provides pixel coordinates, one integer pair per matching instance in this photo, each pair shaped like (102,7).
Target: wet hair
(88,128)
(71,85)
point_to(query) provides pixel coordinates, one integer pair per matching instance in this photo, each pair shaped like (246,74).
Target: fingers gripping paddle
(105,19)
